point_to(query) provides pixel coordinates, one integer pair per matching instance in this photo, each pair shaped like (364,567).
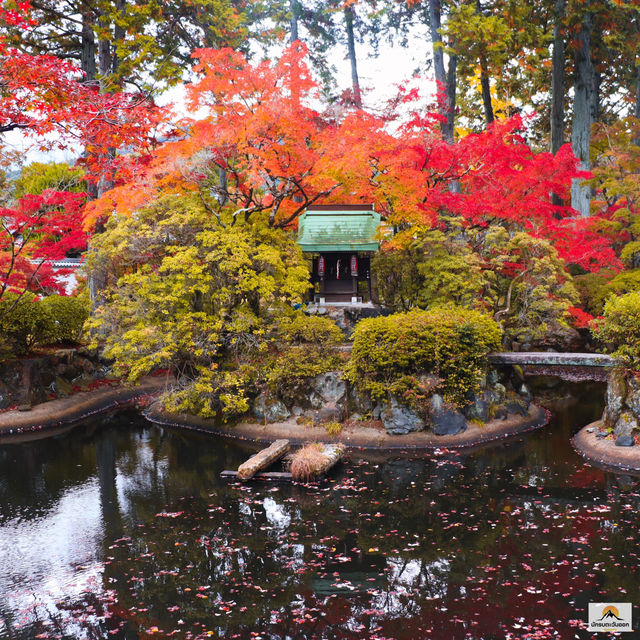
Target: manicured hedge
(451,343)
(33,321)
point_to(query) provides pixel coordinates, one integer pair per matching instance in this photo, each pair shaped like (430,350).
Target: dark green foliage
(31,322)
(450,342)
(24,324)
(66,317)
(431,267)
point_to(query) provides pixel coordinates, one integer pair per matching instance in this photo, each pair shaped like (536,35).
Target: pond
(120,529)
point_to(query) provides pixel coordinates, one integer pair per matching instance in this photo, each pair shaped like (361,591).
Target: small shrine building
(341,240)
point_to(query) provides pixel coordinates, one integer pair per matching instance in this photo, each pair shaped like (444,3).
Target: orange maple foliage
(264,146)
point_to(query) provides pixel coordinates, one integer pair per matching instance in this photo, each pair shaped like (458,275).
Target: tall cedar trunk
(582,106)
(97,280)
(485,85)
(118,36)
(294,7)
(557,79)
(486,92)
(446,79)
(595,96)
(351,46)
(451,98)
(88,66)
(88,53)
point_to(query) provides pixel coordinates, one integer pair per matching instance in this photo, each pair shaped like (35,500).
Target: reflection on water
(123,530)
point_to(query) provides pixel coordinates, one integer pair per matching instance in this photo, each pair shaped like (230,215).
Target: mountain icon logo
(610,613)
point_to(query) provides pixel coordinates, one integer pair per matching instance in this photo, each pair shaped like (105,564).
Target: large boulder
(330,386)
(616,395)
(360,402)
(626,425)
(625,441)
(499,393)
(269,409)
(330,412)
(399,419)
(477,408)
(447,422)
(517,406)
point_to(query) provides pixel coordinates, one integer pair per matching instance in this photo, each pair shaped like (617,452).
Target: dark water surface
(123,530)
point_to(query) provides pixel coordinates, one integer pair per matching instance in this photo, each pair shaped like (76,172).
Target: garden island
(284,359)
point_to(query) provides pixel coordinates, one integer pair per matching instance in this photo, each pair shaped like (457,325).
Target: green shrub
(24,323)
(31,321)
(315,330)
(450,342)
(595,288)
(620,328)
(67,316)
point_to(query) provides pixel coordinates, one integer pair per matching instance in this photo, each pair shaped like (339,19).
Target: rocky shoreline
(593,445)
(370,436)
(50,418)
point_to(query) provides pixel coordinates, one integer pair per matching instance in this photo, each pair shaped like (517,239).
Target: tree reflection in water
(510,541)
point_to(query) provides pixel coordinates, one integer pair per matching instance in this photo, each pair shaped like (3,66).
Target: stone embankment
(614,441)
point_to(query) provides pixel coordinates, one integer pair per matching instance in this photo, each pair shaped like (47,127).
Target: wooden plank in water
(263,459)
(263,475)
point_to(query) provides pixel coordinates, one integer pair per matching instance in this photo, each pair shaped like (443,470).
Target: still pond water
(119,529)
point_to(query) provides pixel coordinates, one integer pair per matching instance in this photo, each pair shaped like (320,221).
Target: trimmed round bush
(619,328)
(31,321)
(451,343)
(23,322)
(67,316)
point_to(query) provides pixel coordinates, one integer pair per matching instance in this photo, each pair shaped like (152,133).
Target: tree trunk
(486,92)
(582,105)
(88,65)
(485,84)
(118,36)
(435,13)
(351,46)
(88,53)
(294,7)
(451,99)
(595,97)
(557,79)
(105,62)
(446,80)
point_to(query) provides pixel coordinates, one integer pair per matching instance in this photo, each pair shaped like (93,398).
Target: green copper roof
(324,231)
